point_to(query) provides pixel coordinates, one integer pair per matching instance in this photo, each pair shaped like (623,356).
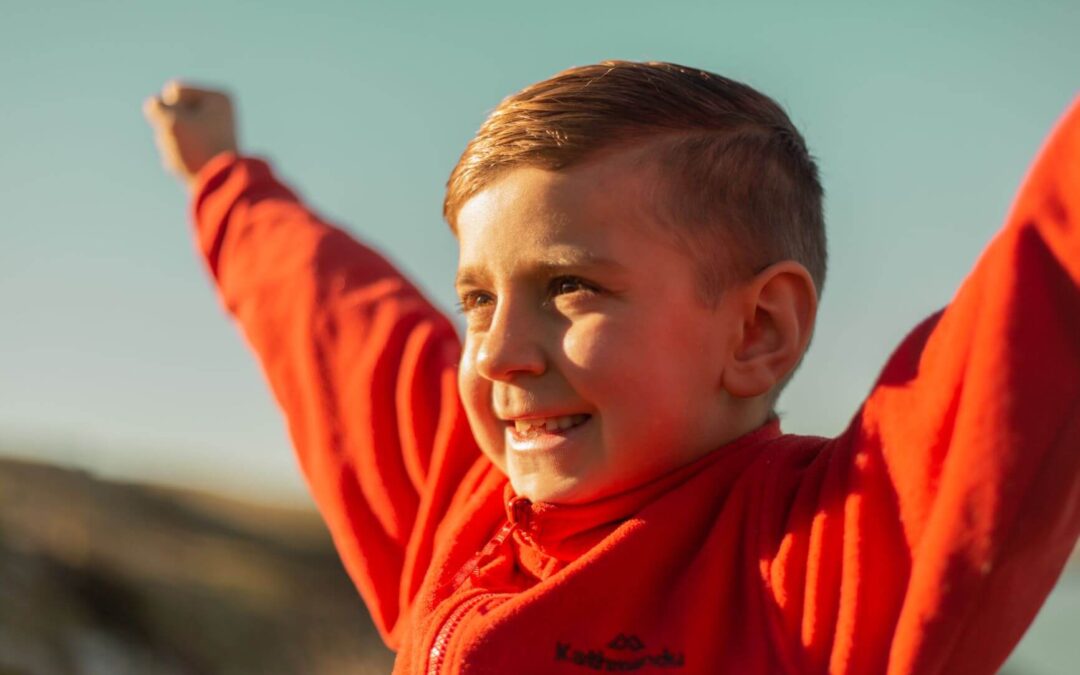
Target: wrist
(195,180)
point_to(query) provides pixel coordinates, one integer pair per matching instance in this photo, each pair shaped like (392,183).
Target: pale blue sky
(115,355)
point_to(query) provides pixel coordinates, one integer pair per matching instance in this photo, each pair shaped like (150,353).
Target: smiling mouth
(533,428)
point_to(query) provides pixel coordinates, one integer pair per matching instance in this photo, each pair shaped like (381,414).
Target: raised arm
(977,418)
(362,365)
(925,538)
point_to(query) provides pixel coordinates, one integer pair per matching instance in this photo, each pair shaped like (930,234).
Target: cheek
(468,379)
(475,392)
(591,345)
(603,357)
(471,388)
(656,366)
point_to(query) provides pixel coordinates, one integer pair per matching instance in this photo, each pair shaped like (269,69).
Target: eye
(567,285)
(473,300)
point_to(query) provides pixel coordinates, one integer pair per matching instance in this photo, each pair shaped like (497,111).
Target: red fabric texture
(921,540)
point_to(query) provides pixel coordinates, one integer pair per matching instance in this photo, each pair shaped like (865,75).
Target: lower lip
(544,440)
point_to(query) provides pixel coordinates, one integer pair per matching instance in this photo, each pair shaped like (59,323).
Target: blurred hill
(109,578)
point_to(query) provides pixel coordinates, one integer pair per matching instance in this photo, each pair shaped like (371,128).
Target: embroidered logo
(631,654)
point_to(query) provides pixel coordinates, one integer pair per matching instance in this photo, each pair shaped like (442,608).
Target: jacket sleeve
(362,365)
(927,536)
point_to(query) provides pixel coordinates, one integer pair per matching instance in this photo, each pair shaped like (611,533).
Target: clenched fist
(191,125)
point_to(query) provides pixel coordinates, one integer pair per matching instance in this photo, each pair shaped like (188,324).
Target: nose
(511,346)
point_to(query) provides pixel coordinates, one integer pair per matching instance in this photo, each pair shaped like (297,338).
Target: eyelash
(582,285)
(469,300)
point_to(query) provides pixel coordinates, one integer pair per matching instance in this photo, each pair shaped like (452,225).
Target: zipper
(439,648)
(518,516)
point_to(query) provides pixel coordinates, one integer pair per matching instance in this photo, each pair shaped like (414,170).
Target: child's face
(590,363)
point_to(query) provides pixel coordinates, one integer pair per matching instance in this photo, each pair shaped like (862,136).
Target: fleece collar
(565,532)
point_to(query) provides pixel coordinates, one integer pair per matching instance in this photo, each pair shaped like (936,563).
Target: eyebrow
(476,274)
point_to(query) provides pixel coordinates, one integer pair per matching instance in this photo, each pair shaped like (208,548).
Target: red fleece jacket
(921,540)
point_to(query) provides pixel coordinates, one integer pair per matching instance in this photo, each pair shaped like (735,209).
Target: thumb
(183,95)
(155,110)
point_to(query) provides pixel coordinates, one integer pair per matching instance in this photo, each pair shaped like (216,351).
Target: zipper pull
(520,510)
(519,517)
(494,543)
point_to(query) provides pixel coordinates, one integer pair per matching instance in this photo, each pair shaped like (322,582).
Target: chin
(548,491)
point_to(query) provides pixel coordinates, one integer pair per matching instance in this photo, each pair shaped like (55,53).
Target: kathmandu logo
(624,642)
(633,655)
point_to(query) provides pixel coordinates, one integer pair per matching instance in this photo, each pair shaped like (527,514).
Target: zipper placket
(437,654)
(519,513)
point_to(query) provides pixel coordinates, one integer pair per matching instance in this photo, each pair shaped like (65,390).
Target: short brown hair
(737,173)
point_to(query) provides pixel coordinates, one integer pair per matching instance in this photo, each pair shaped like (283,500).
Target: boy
(596,479)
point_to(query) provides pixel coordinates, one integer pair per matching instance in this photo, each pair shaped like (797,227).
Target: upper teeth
(549,423)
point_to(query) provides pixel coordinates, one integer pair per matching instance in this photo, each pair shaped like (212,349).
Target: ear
(776,311)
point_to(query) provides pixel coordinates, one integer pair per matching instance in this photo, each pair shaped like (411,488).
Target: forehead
(600,204)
